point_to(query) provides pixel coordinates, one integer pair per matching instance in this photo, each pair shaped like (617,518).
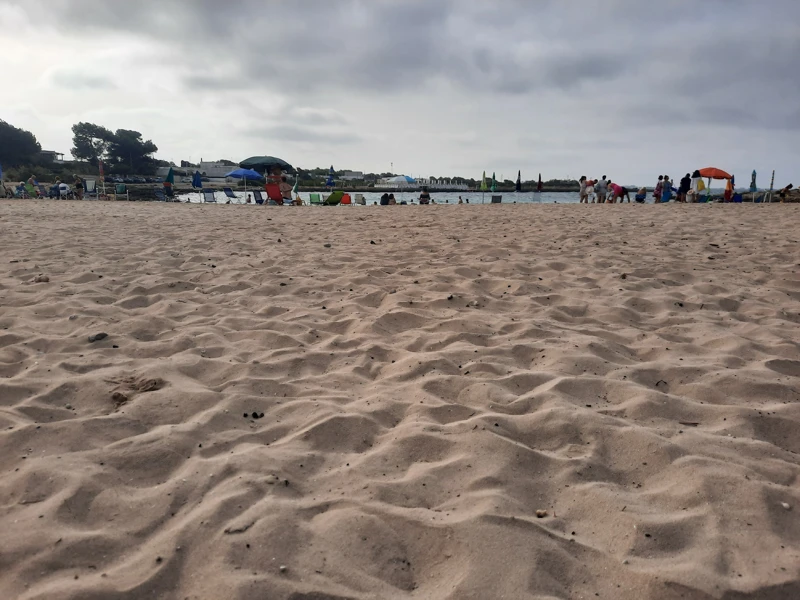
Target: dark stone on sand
(283,285)
(372,243)
(450,297)
(246,415)
(623,276)
(327,245)
(255,415)
(260,415)
(97,337)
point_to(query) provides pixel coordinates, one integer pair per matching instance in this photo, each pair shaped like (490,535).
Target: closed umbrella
(169,183)
(245,174)
(518,187)
(539,185)
(331,174)
(483,187)
(494,184)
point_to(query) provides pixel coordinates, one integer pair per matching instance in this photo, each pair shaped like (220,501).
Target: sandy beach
(474,402)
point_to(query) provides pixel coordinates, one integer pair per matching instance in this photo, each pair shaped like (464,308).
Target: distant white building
(352,176)
(214,169)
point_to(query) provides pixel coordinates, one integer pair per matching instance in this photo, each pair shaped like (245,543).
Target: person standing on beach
(601,189)
(78,188)
(583,194)
(686,184)
(659,190)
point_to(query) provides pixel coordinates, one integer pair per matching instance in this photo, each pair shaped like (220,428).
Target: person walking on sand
(601,189)
(583,195)
(666,189)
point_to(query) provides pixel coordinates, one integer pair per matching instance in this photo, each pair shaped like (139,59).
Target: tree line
(123,151)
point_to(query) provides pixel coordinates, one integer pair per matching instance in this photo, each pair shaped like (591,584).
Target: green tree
(130,152)
(90,142)
(17,146)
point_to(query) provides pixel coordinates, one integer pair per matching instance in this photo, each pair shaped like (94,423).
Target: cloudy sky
(627,88)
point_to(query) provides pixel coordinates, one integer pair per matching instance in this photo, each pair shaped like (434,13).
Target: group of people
(30,189)
(603,191)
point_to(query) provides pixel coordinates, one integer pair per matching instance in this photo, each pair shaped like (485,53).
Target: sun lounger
(258,197)
(230,195)
(209,197)
(334,199)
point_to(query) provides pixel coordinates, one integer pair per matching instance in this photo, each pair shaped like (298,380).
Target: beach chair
(169,194)
(361,200)
(497,199)
(160,194)
(30,190)
(230,195)
(274,194)
(209,197)
(346,200)
(121,190)
(258,197)
(90,188)
(334,199)
(738,198)
(43,193)
(315,199)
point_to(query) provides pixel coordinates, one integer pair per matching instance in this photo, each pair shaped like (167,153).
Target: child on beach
(584,197)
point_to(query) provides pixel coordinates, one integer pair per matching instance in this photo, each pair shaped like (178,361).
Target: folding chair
(230,195)
(360,199)
(161,196)
(315,199)
(90,188)
(274,193)
(209,197)
(121,189)
(258,197)
(346,200)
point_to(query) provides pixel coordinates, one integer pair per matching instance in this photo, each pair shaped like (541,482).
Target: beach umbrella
(714,173)
(539,185)
(518,187)
(494,184)
(245,174)
(265,164)
(484,187)
(197,181)
(295,193)
(771,185)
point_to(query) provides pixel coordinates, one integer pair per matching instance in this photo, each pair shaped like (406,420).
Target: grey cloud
(78,81)
(296,133)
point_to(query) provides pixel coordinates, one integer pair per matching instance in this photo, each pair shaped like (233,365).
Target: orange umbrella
(713,173)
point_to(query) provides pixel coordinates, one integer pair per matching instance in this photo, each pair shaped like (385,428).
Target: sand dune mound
(486,402)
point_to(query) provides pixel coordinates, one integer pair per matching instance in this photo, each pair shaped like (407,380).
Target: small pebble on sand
(541,514)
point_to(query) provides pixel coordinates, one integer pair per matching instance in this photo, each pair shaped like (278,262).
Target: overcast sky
(626,88)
